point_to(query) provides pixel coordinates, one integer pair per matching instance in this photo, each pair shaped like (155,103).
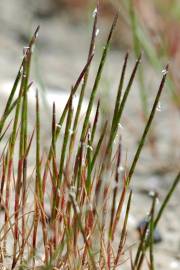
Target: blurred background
(66,27)
(151,27)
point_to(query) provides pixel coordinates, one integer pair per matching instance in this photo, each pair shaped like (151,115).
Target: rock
(142,225)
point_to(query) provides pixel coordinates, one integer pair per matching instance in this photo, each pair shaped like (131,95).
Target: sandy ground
(59,57)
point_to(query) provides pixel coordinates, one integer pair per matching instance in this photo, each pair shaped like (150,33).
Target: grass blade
(147,127)
(97,80)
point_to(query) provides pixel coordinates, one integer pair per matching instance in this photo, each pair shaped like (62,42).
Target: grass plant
(82,177)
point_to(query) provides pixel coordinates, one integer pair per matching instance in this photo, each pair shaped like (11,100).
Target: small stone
(141,226)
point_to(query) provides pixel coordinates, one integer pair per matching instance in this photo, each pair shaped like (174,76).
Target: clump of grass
(82,179)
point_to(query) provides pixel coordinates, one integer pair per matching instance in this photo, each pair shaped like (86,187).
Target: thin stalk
(141,248)
(23,138)
(85,79)
(65,142)
(38,159)
(98,146)
(119,208)
(38,178)
(146,242)
(6,113)
(116,120)
(147,127)
(147,237)
(97,80)
(119,92)
(38,196)
(3,134)
(94,127)
(4,168)
(63,155)
(88,161)
(13,135)
(19,75)
(13,105)
(90,148)
(79,172)
(24,172)
(115,190)
(54,166)
(122,106)
(167,198)
(76,210)
(124,229)
(62,118)
(151,235)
